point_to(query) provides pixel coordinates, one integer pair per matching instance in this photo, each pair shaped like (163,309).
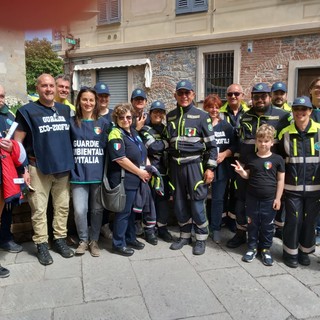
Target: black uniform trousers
(260,215)
(300,223)
(189,194)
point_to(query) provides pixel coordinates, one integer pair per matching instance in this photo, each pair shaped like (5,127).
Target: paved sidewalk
(159,284)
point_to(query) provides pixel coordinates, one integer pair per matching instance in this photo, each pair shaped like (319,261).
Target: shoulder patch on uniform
(117,146)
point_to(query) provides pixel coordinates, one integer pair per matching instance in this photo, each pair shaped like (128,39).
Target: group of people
(274,152)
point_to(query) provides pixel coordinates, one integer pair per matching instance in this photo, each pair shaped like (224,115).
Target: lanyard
(137,143)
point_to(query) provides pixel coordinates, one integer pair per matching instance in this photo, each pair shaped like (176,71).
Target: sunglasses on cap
(236,94)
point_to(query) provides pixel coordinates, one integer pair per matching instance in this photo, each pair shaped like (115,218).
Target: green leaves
(40,58)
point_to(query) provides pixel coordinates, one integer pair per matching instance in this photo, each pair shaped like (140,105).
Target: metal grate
(218,72)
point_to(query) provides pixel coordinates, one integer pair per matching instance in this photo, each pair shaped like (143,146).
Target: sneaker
(105,231)
(238,239)
(180,243)
(94,248)
(4,273)
(11,246)
(60,246)
(199,248)
(164,234)
(216,237)
(266,257)
(249,255)
(43,254)
(82,247)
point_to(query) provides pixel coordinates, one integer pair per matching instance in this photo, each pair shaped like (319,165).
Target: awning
(113,64)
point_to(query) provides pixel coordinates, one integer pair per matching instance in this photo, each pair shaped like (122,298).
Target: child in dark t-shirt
(265,173)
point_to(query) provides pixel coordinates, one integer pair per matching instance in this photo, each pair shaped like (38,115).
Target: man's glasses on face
(316,88)
(128,118)
(262,96)
(180,93)
(236,94)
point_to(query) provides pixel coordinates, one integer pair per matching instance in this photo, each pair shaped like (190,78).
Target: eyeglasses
(257,97)
(180,93)
(295,109)
(316,88)
(236,94)
(128,118)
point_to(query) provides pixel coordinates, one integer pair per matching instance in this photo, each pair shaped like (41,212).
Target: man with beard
(262,112)
(279,96)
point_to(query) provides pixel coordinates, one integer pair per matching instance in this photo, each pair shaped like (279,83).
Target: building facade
(13,64)
(213,43)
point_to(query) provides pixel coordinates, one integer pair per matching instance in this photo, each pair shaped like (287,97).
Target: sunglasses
(257,97)
(236,94)
(180,93)
(300,108)
(128,118)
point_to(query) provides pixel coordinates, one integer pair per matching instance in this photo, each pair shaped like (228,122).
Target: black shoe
(303,258)
(60,246)
(43,254)
(290,260)
(136,244)
(4,273)
(123,251)
(11,246)
(238,239)
(164,234)
(199,248)
(151,238)
(180,243)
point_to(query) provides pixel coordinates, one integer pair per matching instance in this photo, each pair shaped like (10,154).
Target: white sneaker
(105,231)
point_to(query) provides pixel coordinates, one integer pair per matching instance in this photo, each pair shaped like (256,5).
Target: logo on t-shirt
(268,165)
(97,130)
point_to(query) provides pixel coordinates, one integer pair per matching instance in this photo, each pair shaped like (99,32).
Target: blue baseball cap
(101,88)
(184,84)
(138,93)
(303,101)
(260,88)
(157,105)
(279,86)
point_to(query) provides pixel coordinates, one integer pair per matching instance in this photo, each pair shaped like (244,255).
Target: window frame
(202,51)
(110,6)
(191,6)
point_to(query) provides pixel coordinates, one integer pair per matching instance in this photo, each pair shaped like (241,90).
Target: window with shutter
(109,11)
(191,6)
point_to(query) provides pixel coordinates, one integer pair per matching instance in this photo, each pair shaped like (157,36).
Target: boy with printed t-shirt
(265,173)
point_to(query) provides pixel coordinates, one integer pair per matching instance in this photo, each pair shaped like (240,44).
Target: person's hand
(140,121)
(144,175)
(238,168)
(208,176)
(221,157)
(6,144)
(26,177)
(276,204)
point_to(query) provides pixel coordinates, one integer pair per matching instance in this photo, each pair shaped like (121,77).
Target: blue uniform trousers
(124,222)
(260,215)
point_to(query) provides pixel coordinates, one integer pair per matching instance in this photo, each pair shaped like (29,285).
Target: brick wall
(260,65)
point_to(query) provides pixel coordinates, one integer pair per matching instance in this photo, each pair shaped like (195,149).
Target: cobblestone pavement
(159,284)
